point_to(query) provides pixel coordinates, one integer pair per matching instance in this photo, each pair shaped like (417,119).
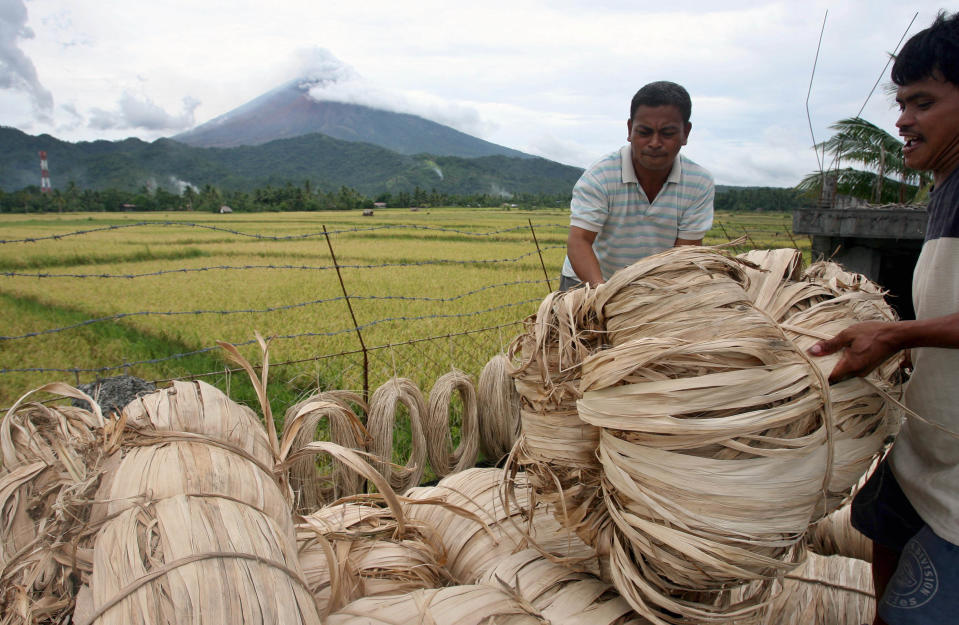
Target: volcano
(290,111)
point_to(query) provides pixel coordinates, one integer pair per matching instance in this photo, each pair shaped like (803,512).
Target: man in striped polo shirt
(642,199)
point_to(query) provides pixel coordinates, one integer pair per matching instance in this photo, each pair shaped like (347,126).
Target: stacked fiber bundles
(719,439)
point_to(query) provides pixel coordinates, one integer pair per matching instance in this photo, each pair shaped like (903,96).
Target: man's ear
(687,128)
(629,129)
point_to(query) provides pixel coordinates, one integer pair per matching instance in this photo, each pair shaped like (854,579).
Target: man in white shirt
(643,198)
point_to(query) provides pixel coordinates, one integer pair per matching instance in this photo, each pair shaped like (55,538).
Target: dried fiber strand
(439,441)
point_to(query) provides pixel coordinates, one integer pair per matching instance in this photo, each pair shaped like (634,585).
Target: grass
(407,274)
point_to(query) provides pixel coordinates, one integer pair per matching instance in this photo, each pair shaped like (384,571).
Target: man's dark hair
(662,93)
(935,49)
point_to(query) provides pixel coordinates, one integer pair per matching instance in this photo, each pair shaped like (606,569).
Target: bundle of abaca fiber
(356,548)
(506,562)
(455,605)
(556,449)
(719,439)
(48,475)
(195,528)
(834,535)
(562,595)
(480,516)
(823,590)
(498,409)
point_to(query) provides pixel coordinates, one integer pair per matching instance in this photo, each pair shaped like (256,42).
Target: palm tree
(885,177)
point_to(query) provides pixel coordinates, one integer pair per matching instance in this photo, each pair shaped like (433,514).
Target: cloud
(17,71)
(143,113)
(329,78)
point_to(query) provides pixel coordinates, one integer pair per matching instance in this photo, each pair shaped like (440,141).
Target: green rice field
(87,296)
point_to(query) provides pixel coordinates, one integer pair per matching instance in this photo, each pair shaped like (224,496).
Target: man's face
(656,134)
(929,124)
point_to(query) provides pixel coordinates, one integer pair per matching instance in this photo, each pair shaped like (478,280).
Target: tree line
(306,197)
(288,197)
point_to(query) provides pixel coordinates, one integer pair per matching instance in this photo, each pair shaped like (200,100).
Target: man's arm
(867,345)
(697,217)
(579,248)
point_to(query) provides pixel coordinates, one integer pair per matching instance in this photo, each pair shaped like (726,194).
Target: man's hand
(579,248)
(865,346)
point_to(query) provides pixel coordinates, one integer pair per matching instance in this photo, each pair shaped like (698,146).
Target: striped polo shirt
(609,201)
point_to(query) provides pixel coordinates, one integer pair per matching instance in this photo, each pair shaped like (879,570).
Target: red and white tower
(44,174)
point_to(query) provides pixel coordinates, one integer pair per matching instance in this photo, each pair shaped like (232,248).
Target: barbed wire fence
(468,347)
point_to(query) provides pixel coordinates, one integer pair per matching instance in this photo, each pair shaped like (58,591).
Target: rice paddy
(87,296)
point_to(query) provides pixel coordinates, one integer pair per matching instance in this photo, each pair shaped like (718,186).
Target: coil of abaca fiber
(300,426)
(439,442)
(384,404)
(499,406)
(720,439)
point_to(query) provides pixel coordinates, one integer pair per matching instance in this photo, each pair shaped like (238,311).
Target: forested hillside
(324,162)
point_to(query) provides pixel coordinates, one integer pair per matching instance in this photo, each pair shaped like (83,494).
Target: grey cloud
(17,71)
(132,112)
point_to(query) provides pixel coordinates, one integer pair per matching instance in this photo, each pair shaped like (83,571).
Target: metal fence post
(356,326)
(540,252)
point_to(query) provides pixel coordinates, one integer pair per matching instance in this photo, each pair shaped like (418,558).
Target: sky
(552,78)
